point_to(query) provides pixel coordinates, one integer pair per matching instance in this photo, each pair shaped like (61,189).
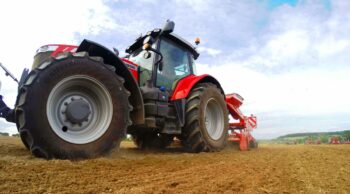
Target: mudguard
(185,85)
(95,49)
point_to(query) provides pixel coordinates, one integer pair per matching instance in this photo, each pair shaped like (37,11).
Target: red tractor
(309,141)
(81,101)
(334,140)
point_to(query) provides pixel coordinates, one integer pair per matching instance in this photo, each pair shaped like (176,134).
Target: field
(269,169)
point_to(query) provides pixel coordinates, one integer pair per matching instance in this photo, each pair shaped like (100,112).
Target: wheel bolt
(64,129)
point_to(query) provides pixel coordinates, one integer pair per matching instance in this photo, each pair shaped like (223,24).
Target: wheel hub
(214,119)
(78,111)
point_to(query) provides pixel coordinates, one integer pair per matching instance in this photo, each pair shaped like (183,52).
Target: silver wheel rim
(92,117)
(214,119)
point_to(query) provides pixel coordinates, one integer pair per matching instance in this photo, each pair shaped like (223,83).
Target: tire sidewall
(36,115)
(209,93)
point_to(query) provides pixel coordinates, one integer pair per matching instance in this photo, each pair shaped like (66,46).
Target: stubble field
(269,169)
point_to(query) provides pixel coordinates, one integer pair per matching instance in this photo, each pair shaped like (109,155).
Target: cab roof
(156,33)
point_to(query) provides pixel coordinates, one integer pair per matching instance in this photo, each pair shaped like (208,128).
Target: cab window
(176,64)
(145,65)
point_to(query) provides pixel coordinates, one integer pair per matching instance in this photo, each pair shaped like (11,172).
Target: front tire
(206,126)
(71,107)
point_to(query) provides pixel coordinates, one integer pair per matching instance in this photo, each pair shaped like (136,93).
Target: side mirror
(147,55)
(168,27)
(160,66)
(116,52)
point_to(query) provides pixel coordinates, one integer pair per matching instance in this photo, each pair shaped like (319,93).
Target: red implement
(241,130)
(334,140)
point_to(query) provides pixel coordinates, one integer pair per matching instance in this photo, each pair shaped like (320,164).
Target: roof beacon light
(197,41)
(146,46)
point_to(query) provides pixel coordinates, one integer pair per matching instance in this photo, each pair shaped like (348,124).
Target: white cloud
(303,36)
(282,49)
(297,66)
(279,99)
(27,25)
(210,51)
(38,22)
(307,92)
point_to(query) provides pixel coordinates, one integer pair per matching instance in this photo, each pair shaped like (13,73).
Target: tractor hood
(46,51)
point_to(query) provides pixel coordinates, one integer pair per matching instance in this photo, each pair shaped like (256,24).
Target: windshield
(145,65)
(176,64)
(194,68)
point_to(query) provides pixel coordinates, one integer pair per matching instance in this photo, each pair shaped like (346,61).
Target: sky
(289,59)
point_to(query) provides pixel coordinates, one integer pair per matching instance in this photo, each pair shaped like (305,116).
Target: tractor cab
(163,58)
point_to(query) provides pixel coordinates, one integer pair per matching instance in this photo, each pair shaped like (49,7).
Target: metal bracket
(5,111)
(8,73)
(24,76)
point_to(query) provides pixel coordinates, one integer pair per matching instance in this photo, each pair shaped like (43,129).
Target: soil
(268,169)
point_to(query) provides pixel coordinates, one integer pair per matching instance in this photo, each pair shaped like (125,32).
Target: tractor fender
(185,85)
(137,115)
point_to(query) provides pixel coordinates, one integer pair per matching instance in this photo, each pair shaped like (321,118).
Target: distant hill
(4,134)
(340,133)
(324,137)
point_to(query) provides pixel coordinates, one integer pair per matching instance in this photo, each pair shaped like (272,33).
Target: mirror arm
(161,57)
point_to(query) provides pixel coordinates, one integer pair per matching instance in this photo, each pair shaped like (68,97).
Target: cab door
(176,64)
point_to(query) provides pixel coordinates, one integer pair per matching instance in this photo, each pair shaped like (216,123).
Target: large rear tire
(72,107)
(206,126)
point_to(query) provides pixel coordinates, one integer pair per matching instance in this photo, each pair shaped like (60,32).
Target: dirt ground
(269,169)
